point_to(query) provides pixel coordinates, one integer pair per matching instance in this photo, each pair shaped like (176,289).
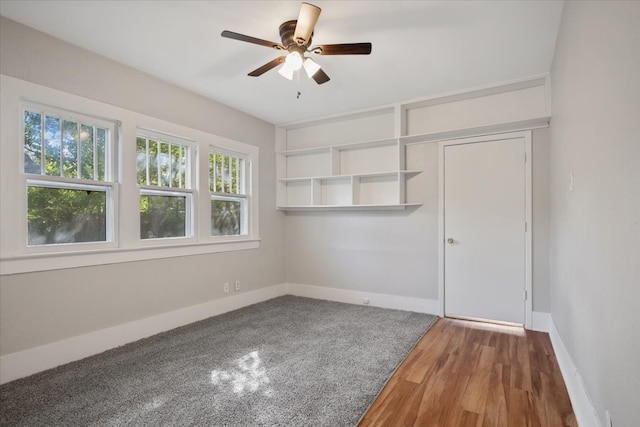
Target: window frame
(244,196)
(16,257)
(189,191)
(109,185)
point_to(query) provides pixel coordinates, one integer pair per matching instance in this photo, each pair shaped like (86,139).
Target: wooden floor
(465,373)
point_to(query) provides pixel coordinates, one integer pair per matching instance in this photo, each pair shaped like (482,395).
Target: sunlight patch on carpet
(247,376)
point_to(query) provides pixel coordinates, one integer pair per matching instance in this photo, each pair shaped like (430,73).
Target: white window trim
(247,189)
(111,190)
(53,181)
(128,247)
(190,189)
(249,153)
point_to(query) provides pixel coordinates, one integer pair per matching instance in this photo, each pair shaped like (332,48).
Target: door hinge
(526,295)
(525,226)
(525,157)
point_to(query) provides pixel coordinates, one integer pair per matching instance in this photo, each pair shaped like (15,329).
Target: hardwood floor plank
(466,373)
(495,405)
(475,394)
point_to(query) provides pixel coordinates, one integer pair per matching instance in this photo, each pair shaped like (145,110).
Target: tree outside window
(164,179)
(66,161)
(228,188)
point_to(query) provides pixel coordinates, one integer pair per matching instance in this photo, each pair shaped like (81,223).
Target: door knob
(450,240)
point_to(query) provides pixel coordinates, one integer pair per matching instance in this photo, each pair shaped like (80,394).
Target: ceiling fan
(296,38)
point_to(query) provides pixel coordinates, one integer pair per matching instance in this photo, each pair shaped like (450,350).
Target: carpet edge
(396,369)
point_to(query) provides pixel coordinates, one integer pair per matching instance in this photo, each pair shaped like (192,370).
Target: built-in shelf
(536,123)
(368,159)
(359,175)
(346,207)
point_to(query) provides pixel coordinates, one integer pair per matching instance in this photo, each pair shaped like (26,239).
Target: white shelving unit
(363,175)
(324,165)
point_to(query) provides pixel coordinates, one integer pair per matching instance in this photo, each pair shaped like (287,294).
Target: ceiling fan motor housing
(287,29)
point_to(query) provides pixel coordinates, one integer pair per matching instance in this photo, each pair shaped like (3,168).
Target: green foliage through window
(162,216)
(64,215)
(161,163)
(226,217)
(54,146)
(228,198)
(65,204)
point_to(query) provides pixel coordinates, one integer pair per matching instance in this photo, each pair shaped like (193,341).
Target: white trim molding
(583,409)
(528,284)
(540,322)
(37,359)
(396,302)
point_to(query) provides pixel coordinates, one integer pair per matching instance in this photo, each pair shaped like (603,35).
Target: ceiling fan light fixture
(286,71)
(311,67)
(294,61)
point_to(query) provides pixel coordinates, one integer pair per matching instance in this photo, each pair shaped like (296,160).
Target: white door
(484,230)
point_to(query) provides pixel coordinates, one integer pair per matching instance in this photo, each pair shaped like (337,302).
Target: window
(68,169)
(73,195)
(164,177)
(228,185)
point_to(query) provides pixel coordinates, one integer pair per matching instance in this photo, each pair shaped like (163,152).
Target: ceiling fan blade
(266,67)
(306,22)
(321,77)
(249,39)
(343,49)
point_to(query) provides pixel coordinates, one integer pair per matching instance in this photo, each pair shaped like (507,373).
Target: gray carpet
(289,361)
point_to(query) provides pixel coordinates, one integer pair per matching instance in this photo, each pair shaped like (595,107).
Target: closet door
(484,230)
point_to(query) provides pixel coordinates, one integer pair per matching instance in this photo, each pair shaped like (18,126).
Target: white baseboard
(419,305)
(583,409)
(540,321)
(37,359)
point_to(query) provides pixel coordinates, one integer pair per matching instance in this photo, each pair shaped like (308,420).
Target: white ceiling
(420,48)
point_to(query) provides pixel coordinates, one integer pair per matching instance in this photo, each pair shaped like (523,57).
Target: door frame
(526,135)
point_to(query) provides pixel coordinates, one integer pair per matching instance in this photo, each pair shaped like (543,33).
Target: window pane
(52,142)
(86,152)
(70,149)
(61,215)
(101,147)
(219,173)
(177,166)
(234,175)
(141,160)
(32,142)
(212,175)
(165,161)
(162,216)
(226,217)
(226,170)
(153,162)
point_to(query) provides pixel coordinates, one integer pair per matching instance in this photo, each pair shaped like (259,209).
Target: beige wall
(540,207)
(396,252)
(41,308)
(595,229)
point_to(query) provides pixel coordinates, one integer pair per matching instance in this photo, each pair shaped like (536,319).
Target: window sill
(63,260)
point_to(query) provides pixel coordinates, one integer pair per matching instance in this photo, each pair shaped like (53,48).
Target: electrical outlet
(365,301)
(237,285)
(226,287)
(607,419)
